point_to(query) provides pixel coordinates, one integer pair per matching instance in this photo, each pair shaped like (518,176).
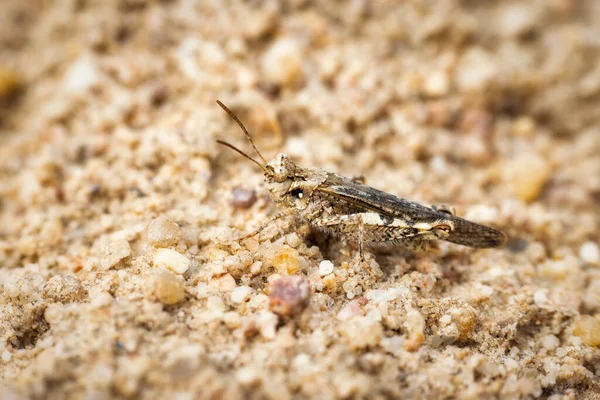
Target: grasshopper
(355,212)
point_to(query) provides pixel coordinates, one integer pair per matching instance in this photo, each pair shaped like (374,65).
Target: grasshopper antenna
(232,147)
(237,120)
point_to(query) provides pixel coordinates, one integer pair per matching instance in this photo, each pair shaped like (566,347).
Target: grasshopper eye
(297,193)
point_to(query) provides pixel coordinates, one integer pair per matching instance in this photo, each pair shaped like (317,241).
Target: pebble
(162,232)
(64,289)
(415,326)
(10,82)
(587,328)
(267,324)
(82,76)
(527,174)
(465,319)
(240,294)
(172,260)
(114,252)
(329,282)
(540,299)
(550,342)
(350,310)
(382,296)
(325,267)
(167,288)
(102,299)
(517,19)
(361,332)
(437,84)
(226,283)
(285,259)
(232,319)
(524,126)
(475,70)
(6,356)
(282,62)
(590,253)
(445,319)
(289,295)
(248,376)
(243,197)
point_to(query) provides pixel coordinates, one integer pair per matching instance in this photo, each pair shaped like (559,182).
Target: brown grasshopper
(356,212)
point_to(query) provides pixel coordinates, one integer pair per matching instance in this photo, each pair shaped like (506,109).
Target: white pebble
(267,324)
(282,63)
(325,267)
(590,253)
(6,356)
(381,296)
(550,342)
(540,299)
(437,84)
(445,319)
(162,232)
(114,252)
(171,260)
(248,376)
(102,299)
(82,76)
(486,290)
(240,294)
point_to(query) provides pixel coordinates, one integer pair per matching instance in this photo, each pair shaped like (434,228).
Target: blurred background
(108,119)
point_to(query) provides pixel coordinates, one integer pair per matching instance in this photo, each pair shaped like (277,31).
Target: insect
(356,212)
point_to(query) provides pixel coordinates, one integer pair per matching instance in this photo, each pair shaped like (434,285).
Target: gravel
(122,275)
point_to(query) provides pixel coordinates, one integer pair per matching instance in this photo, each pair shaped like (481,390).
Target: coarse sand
(121,272)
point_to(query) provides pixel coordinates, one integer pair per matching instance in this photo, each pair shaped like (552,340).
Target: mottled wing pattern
(366,198)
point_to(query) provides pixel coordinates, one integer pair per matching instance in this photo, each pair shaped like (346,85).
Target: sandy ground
(120,272)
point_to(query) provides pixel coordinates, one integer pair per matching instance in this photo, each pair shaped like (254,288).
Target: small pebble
(415,327)
(248,376)
(475,70)
(590,253)
(524,127)
(82,76)
(226,283)
(282,63)
(285,260)
(350,310)
(6,356)
(325,267)
(445,319)
(267,324)
(114,252)
(243,197)
(517,19)
(10,82)
(587,328)
(64,289)
(240,294)
(437,84)
(289,295)
(167,288)
(162,232)
(550,342)
(361,332)
(102,299)
(172,260)
(232,319)
(540,299)
(527,174)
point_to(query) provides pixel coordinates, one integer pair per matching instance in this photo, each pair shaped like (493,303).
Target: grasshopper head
(289,184)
